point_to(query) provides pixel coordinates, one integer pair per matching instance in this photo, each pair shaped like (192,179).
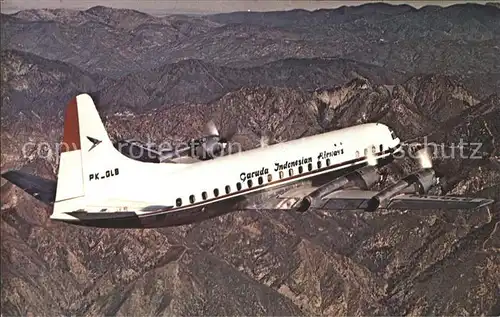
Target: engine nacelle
(419,183)
(363,178)
(206,148)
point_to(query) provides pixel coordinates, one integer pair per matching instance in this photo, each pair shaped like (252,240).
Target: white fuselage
(151,188)
(100,187)
(331,149)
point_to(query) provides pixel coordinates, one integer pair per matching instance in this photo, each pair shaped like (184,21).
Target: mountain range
(432,74)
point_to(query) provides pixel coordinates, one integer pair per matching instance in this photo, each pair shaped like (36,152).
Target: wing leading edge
(356,199)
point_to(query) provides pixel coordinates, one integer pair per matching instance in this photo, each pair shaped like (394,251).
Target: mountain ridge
(390,41)
(430,74)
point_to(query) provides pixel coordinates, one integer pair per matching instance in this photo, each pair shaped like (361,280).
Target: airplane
(98,186)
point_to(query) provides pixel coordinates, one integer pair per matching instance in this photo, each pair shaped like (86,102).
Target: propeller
(226,138)
(371,159)
(213,142)
(264,141)
(210,129)
(424,158)
(206,147)
(265,138)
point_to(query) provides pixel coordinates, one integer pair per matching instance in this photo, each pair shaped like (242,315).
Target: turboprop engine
(418,183)
(363,179)
(208,147)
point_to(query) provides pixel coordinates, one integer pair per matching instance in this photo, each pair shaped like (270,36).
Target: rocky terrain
(431,74)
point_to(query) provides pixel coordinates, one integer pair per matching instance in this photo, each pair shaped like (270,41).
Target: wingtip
(8,172)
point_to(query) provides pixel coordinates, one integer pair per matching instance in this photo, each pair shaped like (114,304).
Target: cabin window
(249,183)
(366,152)
(191,199)
(238,186)
(357,154)
(374,149)
(309,167)
(328,162)
(282,174)
(178,202)
(269,178)
(216,192)
(381,148)
(290,172)
(319,164)
(301,169)
(260,180)
(228,189)
(393,135)
(204,195)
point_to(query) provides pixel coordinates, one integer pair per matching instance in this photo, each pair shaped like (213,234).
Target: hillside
(432,74)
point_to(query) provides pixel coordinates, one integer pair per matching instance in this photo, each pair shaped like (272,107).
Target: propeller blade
(424,158)
(264,141)
(265,138)
(210,129)
(372,161)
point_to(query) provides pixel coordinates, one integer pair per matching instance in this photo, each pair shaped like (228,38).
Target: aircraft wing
(40,188)
(357,199)
(411,201)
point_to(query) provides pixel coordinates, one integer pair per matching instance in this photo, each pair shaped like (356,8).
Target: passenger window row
(227,190)
(260,179)
(300,169)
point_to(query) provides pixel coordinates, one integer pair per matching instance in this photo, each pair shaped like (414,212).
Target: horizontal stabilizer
(40,188)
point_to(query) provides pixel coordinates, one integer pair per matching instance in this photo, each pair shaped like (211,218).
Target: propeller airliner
(100,187)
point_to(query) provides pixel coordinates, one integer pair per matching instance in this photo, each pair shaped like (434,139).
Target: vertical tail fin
(84,147)
(86,151)
(92,175)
